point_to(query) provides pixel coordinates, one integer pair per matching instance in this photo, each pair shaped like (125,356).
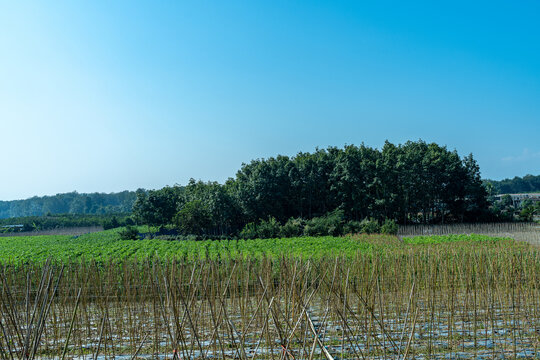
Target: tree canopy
(69,203)
(415,182)
(528,183)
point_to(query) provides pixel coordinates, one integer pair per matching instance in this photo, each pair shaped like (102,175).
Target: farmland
(362,296)
(107,246)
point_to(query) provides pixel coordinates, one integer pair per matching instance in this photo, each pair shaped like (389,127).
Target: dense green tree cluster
(528,183)
(69,203)
(415,182)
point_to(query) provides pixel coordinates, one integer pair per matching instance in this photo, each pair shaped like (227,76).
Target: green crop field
(107,245)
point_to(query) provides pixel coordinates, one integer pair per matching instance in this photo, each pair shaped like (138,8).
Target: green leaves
(108,246)
(193,218)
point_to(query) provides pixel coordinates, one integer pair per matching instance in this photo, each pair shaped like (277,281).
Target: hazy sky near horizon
(113,95)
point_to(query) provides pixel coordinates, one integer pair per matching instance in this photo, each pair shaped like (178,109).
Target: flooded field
(440,301)
(426,333)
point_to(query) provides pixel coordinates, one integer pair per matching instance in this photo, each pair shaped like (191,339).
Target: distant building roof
(521,196)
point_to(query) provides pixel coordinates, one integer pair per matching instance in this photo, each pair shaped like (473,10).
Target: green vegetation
(328,192)
(118,245)
(50,222)
(372,295)
(129,233)
(331,224)
(506,210)
(528,183)
(69,203)
(440,239)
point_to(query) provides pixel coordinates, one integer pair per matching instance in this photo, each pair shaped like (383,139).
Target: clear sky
(116,95)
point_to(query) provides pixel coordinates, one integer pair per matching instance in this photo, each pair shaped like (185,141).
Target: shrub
(352,227)
(389,227)
(293,227)
(129,233)
(111,223)
(330,224)
(268,228)
(370,226)
(249,231)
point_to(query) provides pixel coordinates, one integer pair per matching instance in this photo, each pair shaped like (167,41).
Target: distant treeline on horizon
(526,184)
(70,203)
(122,202)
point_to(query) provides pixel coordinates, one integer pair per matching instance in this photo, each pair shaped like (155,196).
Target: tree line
(69,203)
(526,184)
(415,182)
(60,221)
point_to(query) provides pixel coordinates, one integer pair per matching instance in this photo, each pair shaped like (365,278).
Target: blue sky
(113,95)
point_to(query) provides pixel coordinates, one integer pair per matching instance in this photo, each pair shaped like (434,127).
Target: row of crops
(107,245)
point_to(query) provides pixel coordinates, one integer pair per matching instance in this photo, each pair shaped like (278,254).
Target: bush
(389,227)
(330,224)
(370,226)
(111,223)
(268,228)
(129,233)
(249,231)
(293,227)
(353,227)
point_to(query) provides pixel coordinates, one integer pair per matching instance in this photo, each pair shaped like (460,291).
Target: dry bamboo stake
(381,310)
(411,335)
(274,316)
(190,305)
(140,347)
(304,309)
(36,329)
(179,333)
(216,330)
(187,312)
(100,338)
(233,331)
(7,341)
(264,326)
(11,312)
(27,300)
(344,320)
(406,317)
(218,321)
(313,347)
(41,324)
(71,325)
(316,334)
(372,317)
(157,294)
